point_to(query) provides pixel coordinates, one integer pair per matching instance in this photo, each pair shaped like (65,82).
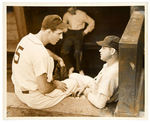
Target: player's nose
(100,50)
(61,36)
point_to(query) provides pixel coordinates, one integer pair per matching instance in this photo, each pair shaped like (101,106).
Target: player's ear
(113,51)
(48,30)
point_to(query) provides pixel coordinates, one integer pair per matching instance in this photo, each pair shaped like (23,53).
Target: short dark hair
(53,22)
(72,7)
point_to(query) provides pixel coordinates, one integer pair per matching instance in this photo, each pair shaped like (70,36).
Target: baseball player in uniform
(32,67)
(102,88)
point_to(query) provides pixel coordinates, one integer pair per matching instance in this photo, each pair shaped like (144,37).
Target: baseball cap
(53,22)
(110,41)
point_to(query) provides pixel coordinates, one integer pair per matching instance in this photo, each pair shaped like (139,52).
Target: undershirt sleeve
(40,66)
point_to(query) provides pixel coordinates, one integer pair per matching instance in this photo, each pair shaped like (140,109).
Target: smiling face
(105,53)
(53,36)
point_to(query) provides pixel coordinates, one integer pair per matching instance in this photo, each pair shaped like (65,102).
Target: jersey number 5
(16,60)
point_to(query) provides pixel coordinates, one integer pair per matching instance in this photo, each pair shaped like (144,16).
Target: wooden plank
(11,18)
(11,26)
(128,66)
(12,36)
(12,32)
(21,23)
(133,29)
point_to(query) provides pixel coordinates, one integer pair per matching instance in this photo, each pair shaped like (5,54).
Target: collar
(34,39)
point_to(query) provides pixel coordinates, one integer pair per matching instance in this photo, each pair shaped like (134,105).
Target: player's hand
(78,92)
(61,62)
(60,85)
(83,34)
(87,91)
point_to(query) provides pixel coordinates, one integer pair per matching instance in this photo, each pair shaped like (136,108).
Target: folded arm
(91,24)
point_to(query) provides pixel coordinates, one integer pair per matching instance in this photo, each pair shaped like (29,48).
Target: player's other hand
(87,91)
(78,92)
(60,85)
(83,34)
(61,62)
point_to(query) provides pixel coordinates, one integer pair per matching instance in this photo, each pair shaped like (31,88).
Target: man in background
(76,20)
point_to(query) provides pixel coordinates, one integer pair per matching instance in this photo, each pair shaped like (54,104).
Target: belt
(25,92)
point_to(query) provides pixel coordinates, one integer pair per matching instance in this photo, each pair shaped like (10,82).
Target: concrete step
(70,106)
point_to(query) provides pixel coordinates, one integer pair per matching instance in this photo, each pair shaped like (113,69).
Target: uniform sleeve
(41,62)
(98,100)
(40,65)
(108,86)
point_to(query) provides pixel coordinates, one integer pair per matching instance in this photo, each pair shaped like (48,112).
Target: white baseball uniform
(31,59)
(102,86)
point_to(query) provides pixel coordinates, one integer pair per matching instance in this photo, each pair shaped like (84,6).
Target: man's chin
(54,43)
(102,59)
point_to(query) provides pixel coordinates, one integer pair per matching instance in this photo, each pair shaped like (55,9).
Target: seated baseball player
(32,67)
(103,88)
